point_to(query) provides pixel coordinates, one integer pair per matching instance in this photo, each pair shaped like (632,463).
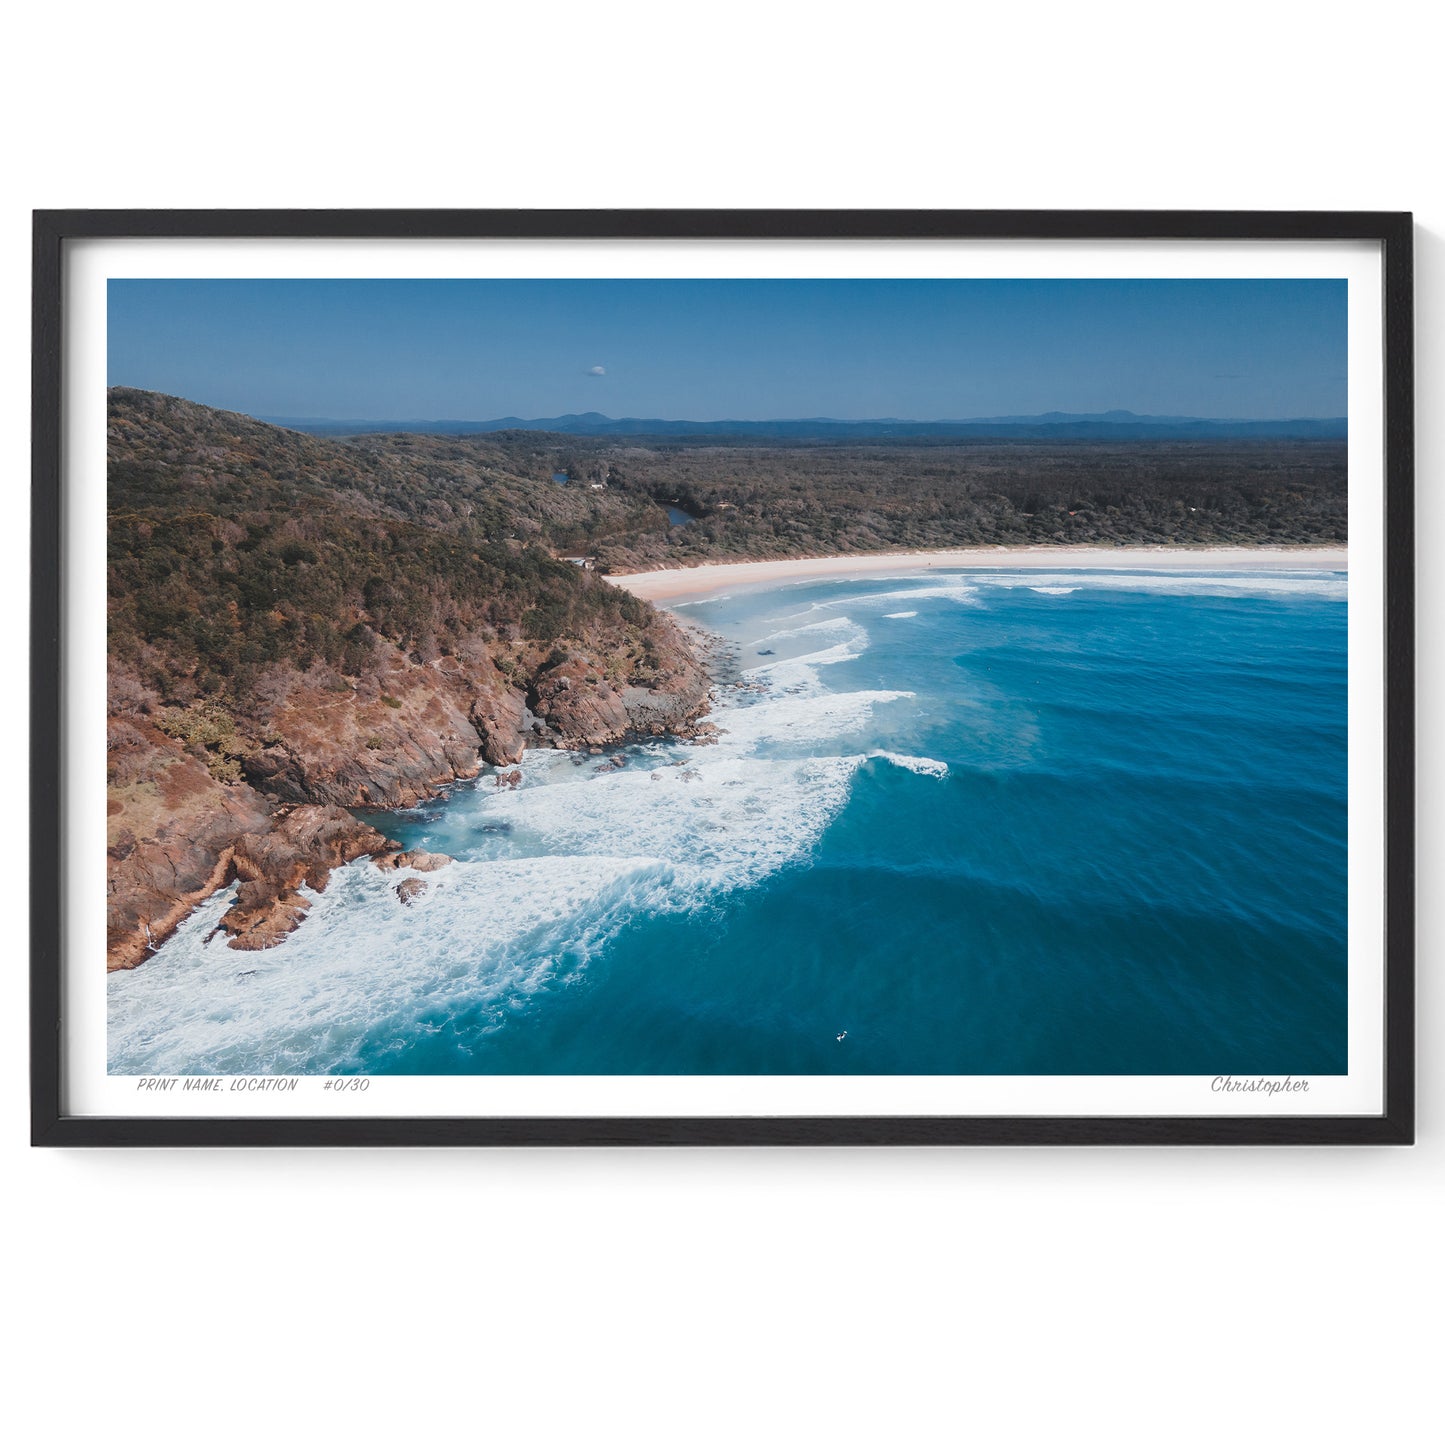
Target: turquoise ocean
(965,822)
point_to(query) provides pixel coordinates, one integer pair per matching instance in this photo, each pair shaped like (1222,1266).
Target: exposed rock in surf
(417,858)
(261,917)
(178,832)
(169,841)
(410,888)
(301,845)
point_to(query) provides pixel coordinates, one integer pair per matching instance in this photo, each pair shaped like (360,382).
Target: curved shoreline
(677,582)
(302,818)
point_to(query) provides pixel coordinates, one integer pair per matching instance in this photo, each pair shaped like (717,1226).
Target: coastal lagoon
(981,821)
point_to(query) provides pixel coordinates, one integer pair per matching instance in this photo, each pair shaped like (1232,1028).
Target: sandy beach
(678,582)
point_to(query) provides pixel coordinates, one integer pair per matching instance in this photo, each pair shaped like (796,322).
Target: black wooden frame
(53,229)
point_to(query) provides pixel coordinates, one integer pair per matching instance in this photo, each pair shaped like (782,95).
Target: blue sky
(711,349)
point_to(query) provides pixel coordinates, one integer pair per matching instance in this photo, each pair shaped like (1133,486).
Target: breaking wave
(965,587)
(665,835)
(1329,586)
(546,874)
(924,767)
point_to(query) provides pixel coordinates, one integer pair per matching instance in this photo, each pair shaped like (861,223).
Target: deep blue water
(975,823)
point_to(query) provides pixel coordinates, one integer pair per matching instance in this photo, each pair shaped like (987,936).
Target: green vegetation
(205,725)
(209,732)
(791,499)
(238,550)
(244,556)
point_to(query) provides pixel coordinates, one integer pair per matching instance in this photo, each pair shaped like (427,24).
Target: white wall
(1033,1296)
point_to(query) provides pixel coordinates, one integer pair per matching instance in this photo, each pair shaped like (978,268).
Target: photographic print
(733,681)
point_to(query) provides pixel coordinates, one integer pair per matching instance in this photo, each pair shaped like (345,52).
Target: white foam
(958,590)
(674,829)
(723,823)
(701,601)
(924,767)
(796,674)
(963,588)
(809,716)
(363,963)
(549,872)
(1332,586)
(849,648)
(826,624)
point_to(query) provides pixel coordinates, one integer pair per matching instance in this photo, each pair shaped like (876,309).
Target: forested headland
(299,628)
(303,626)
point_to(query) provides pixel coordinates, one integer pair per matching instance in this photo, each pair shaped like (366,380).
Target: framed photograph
(686,677)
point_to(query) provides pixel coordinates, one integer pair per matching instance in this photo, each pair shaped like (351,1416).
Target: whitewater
(987,821)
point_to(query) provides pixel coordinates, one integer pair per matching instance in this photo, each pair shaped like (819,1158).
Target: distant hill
(1047,426)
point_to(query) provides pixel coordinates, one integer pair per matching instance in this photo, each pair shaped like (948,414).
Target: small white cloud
(596,371)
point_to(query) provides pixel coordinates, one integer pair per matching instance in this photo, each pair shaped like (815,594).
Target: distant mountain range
(1048,426)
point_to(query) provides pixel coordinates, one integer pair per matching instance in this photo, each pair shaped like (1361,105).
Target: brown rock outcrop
(171,827)
(177,832)
(410,888)
(577,706)
(389,750)
(302,844)
(377,625)
(581,708)
(502,720)
(417,858)
(261,917)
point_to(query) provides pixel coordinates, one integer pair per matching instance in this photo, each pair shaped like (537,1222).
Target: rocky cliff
(296,631)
